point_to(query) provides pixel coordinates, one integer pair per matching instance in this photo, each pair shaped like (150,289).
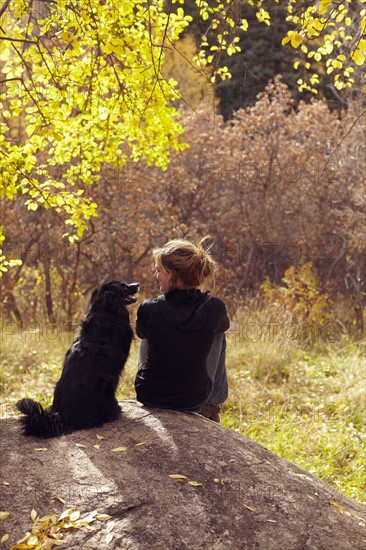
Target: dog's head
(114,294)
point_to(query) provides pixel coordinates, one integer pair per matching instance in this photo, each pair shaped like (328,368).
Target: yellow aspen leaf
(81,445)
(141,443)
(32,541)
(358,57)
(59,499)
(65,514)
(109,538)
(323,6)
(100,436)
(110,526)
(96,446)
(4,515)
(119,449)
(4,538)
(177,476)
(319,24)
(296,39)
(33,515)
(91,516)
(195,483)
(244,25)
(103,517)
(75,515)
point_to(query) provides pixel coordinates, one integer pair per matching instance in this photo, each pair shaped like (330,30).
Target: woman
(182,352)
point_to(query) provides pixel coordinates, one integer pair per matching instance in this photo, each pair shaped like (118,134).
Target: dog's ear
(94,295)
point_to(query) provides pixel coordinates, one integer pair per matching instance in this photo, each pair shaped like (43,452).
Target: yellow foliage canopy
(82,85)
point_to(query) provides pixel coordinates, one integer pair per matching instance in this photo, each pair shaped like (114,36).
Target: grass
(303,402)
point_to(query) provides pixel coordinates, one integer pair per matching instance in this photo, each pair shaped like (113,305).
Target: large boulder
(235,494)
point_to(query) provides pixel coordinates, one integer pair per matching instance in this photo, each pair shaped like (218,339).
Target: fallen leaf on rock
(271,521)
(177,476)
(221,481)
(6,483)
(141,443)
(66,514)
(81,445)
(48,530)
(84,522)
(103,517)
(75,515)
(110,526)
(41,449)
(119,449)
(195,483)
(333,503)
(4,538)
(100,436)
(4,515)
(109,538)
(96,446)
(59,499)
(248,507)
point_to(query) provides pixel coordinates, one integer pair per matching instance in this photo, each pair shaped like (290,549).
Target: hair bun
(191,263)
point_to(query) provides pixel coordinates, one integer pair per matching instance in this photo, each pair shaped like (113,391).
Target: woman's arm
(143,353)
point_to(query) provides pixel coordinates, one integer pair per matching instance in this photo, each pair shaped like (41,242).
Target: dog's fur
(84,396)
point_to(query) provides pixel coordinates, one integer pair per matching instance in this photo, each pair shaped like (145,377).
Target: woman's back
(179,328)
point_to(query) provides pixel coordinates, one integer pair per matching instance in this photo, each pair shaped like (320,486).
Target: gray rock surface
(248,497)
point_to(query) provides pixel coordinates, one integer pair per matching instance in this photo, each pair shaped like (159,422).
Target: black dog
(84,397)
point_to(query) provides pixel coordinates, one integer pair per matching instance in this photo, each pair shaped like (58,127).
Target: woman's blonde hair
(192,263)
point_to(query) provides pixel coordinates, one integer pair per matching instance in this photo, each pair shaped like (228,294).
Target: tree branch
(4,7)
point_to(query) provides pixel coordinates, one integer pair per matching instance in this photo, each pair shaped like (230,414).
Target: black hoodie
(179,327)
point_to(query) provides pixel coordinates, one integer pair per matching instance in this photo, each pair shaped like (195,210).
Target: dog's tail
(38,421)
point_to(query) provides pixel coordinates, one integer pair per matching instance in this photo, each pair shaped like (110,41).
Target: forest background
(276,177)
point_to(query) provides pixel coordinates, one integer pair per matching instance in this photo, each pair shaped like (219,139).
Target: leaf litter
(48,531)
(180,478)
